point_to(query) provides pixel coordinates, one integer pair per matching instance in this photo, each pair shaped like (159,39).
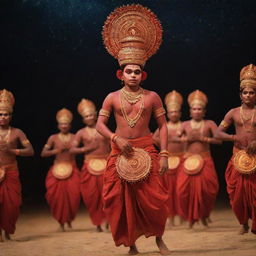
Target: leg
(162,246)
(7,236)
(204,222)
(171,221)
(99,229)
(244,229)
(61,228)
(1,237)
(69,225)
(133,250)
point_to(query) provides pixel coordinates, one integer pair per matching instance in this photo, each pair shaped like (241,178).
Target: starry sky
(52,55)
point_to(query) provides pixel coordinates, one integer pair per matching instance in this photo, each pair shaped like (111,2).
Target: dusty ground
(37,235)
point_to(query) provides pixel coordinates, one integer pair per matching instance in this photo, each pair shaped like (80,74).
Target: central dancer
(134,197)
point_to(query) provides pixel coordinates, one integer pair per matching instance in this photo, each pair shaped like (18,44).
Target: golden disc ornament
(2,174)
(173,163)
(62,171)
(135,168)
(193,164)
(244,163)
(132,34)
(96,166)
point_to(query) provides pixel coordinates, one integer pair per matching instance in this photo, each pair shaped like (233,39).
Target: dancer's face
(197,112)
(248,96)
(132,75)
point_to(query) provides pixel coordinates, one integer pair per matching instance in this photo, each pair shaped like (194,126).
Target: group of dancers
(131,178)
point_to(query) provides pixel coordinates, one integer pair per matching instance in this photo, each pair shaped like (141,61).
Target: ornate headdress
(86,106)
(197,98)
(132,34)
(64,116)
(248,77)
(173,100)
(6,100)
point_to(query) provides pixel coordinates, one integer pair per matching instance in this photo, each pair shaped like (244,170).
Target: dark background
(51,56)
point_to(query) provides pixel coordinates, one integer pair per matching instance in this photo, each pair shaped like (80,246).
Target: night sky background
(52,56)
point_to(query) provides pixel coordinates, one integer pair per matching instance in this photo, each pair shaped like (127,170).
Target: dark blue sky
(51,55)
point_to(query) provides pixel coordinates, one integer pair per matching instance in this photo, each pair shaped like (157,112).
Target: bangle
(113,137)
(17,152)
(183,139)
(207,139)
(164,153)
(233,137)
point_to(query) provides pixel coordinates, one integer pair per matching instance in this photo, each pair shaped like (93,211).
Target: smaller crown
(6,100)
(64,116)
(173,100)
(248,76)
(197,98)
(86,106)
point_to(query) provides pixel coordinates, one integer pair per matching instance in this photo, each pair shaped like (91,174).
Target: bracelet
(207,139)
(113,137)
(164,153)
(183,139)
(233,137)
(17,152)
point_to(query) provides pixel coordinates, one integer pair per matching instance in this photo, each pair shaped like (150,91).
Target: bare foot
(190,225)
(133,250)
(204,222)
(244,229)
(69,225)
(99,229)
(7,236)
(107,225)
(162,246)
(209,220)
(61,228)
(171,222)
(1,237)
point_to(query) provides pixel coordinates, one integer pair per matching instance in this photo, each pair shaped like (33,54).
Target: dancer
(10,186)
(197,182)
(62,181)
(173,102)
(96,149)
(134,197)
(240,173)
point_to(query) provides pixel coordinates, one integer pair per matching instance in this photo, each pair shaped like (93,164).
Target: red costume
(10,199)
(242,194)
(91,190)
(170,182)
(135,209)
(63,195)
(197,193)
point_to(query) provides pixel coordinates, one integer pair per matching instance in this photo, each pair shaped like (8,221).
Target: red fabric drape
(197,193)
(135,209)
(63,196)
(91,190)
(10,201)
(242,194)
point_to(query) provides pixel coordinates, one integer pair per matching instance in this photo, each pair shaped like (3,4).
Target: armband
(159,112)
(224,124)
(104,112)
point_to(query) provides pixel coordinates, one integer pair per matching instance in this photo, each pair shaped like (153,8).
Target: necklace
(132,97)
(174,126)
(131,120)
(91,131)
(244,119)
(5,137)
(65,138)
(197,125)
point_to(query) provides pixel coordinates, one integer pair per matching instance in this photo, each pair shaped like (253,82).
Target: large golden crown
(64,116)
(85,107)
(197,98)
(173,100)
(248,76)
(132,34)
(6,101)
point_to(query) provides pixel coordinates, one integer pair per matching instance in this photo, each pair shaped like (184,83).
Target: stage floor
(37,235)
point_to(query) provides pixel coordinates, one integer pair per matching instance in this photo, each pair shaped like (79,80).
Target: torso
(89,135)
(142,126)
(244,129)
(204,130)
(173,131)
(59,142)
(12,140)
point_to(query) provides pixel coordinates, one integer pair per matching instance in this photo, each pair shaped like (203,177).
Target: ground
(36,235)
